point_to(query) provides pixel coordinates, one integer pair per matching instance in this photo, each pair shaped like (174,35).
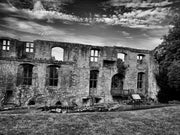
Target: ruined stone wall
(38,90)
(133,67)
(8,76)
(11,53)
(152,85)
(73,72)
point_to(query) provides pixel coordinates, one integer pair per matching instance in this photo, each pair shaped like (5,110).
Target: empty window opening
(73,102)
(121,56)
(58,103)
(6,45)
(108,63)
(117,86)
(93,78)
(97,100)
(117,82)
(8,96)
(53,75)
(31,102)
(29,47)
(94,55)
(85,100)
(27,74)
(140,80)
(140,58)
(58,53)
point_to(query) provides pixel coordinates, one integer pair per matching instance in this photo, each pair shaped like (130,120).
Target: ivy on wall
(121,68)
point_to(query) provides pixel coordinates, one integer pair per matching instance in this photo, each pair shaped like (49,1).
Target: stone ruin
(47,73)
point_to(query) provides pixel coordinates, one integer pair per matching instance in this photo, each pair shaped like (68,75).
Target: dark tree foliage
(22,4)
(167,55)
(121,68)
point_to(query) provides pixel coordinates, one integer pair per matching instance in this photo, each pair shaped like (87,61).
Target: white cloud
(5,33)
(43,14)
(17,28)
(148,19)
(146,35)
(158,32)
(8,8)
(155,41)
(140,3)
(129,37)
(125,33)
(137,18)
(30,27)
(38,6)
(40,13)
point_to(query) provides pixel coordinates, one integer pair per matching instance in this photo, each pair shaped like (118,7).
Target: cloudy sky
(128,23)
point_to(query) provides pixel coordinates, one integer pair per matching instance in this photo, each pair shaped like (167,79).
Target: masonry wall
(73,73)
(152,85)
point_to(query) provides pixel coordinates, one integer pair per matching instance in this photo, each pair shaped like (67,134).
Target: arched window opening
(121,56)
(52,75)
(140,80)
(117,87)
(117,82)
(57,53)
(58,103)
(31,102)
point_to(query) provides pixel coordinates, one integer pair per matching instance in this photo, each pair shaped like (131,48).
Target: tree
(174,76)
(121,68)
(167,56)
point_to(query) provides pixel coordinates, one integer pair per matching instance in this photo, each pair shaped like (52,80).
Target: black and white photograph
(89,67)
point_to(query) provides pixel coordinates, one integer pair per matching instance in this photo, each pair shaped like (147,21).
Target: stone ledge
(37,60)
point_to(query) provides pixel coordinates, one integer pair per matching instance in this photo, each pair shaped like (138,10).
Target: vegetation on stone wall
(167,55)
(121,68)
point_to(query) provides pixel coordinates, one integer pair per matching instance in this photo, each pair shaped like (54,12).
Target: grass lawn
(159,121)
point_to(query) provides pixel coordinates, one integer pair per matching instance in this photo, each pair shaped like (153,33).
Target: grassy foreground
(159,121)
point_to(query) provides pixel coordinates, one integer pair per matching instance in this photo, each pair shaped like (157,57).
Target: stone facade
(86,71)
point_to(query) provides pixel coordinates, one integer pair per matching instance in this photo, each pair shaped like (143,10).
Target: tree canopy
(167,56)
(121,68)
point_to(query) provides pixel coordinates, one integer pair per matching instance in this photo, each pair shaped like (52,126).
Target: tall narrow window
(29,47)
(27,74)
(6,45)
(140,58)
(140,80)
(93,78)
(121,56)
(53,75)
(94,55)
(57,53)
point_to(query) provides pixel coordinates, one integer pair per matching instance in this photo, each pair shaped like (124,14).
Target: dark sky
(128,23)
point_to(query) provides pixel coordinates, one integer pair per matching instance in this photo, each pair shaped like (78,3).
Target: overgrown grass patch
(157,121)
